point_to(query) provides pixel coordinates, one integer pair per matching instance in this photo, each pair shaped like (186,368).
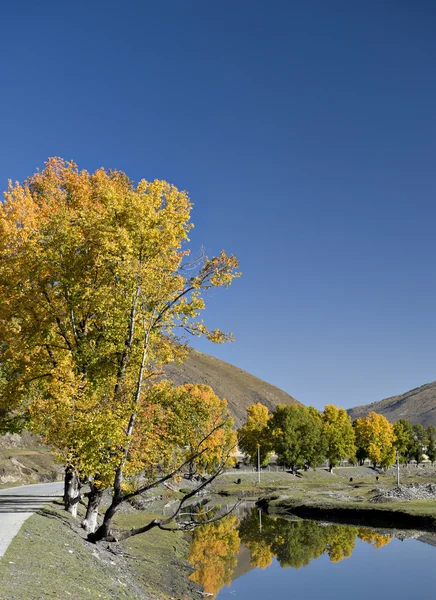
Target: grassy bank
(342,496)
(319,483)
(50,559)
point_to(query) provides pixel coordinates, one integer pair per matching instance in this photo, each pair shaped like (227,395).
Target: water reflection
(296,543)
(214,546)
(213,553)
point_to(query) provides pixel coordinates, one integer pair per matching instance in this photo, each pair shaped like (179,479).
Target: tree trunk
(104,530)
(71,490)
(89,523)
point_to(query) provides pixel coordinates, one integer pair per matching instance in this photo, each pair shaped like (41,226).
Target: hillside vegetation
(417,406)
(241,389)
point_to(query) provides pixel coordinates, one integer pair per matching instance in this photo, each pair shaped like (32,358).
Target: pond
(252,556)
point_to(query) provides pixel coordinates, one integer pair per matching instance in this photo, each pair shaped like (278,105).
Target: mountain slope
(417,406)
(241,389)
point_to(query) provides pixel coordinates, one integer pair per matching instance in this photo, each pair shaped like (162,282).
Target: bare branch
(162,523)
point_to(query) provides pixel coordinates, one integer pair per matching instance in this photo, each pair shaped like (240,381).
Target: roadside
(17,504)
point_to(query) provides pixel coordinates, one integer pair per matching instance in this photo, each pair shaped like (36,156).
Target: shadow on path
(15,503)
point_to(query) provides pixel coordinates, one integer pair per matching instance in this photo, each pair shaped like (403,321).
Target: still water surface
(248,558)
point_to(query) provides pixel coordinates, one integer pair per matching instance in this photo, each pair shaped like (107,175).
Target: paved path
(18,503)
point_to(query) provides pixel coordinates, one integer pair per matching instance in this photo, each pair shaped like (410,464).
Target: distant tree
(253,435)
(431,446)
(420,435)
(404,439)
(316,450)
(295,435)
(338,435)
(375,435)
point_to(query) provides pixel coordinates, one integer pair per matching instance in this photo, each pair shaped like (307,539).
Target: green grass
(159,564)
(50,559)
(319,481)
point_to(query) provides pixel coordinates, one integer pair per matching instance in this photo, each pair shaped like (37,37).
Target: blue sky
(305,133)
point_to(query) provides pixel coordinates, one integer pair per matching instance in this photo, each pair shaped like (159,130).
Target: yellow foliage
(94,298)
(338,434)
(254,433)
(376,436)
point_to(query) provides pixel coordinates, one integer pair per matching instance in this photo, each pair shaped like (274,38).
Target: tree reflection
(296,543)
(215,545)
(213,553)
(377,540)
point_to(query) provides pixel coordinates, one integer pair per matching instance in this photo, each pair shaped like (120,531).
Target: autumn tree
(96,294)
(376,436)
(182,430)
(340,542)
(253,435)
(295,433)
(338,435)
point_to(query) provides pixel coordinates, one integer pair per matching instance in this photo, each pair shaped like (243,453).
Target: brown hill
(239,387)
(24,460)
(417,406)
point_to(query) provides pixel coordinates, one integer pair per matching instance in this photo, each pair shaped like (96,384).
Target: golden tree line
(303,437)
(97,293)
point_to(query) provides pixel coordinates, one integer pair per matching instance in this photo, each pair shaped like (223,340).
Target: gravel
(413,491)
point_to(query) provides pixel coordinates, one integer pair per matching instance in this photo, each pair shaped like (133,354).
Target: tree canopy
(97,292)
(375,435)
(338,435)
(253,435)
(295,435)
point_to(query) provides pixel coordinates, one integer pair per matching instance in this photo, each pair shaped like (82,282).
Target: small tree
(253,435)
